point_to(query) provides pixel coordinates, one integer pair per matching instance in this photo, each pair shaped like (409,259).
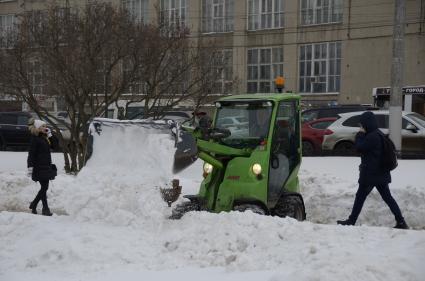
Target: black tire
(250,207)
(290,206)
(308,148)
(2,145)
(182,208)
(344,148)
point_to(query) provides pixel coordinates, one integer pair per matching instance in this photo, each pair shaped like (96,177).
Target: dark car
(312,135)
(14,129)
(179,116)
(332,111)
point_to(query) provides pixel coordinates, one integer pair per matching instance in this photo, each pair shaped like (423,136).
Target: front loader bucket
(159,126)
(186,152)
(185,145)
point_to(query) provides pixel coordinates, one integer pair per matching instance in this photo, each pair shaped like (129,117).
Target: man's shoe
(401,225)
(33,208)
(46,212)
(346,222)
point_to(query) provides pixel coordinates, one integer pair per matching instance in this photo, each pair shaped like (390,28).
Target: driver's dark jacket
(259,131)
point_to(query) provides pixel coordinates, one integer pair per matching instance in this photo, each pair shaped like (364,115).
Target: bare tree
(89,57)
(74,56)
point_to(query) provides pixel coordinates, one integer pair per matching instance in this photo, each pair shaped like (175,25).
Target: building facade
(329,51)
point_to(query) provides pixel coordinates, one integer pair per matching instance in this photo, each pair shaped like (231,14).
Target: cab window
(321,125)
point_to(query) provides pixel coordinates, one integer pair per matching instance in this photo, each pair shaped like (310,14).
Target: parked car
(233,121)
(312,135)
(14,130)
(238,125)
(344,130)
(178,116)
(332,111)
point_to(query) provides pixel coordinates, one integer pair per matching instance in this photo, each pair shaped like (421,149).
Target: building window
(137,9)
(320,68)
(217,15)
(7,24)
(264,65)
(103,81)
(321,11)
(224,65)
(173,12)
(36,77)
(265,14)
(134,87)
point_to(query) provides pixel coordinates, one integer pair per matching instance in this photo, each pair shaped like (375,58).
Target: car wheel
(308,148)
(344,148)
(290,206)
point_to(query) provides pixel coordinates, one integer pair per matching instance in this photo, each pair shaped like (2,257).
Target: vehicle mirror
(411,127)
(219,133)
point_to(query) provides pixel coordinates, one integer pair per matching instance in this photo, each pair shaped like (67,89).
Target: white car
(344,130)
(238,125)
(233,121)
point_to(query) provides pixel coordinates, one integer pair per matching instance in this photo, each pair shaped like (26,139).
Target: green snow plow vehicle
(252,154)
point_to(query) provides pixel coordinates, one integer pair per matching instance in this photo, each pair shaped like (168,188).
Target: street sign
(408,90)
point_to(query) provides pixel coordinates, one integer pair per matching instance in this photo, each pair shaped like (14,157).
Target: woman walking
(40,167)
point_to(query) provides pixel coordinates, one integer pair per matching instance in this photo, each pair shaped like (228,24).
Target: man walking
(369,143)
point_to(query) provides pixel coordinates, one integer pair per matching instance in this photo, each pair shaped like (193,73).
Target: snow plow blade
(159,126)
(185,145)
(186,151)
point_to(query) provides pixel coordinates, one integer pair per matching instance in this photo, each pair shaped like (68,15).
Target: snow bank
(120,184)
(234,241)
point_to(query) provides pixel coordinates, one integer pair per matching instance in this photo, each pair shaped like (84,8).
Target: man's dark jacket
(40,159)
(369,144)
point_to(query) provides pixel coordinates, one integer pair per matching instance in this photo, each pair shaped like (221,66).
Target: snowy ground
(110,223)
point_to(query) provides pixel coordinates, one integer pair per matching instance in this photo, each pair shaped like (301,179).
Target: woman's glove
(29,172)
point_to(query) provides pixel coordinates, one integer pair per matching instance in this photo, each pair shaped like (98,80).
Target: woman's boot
(401,225)
(46,212)
(33,207)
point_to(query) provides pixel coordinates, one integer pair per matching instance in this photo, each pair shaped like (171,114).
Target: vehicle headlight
(208,168)
(256,169)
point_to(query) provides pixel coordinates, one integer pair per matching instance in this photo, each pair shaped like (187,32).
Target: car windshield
(417,118)
(248,122)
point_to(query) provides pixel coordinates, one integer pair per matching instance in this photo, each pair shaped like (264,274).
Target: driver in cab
(260,123)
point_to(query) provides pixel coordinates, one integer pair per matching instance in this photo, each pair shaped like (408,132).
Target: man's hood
(368,121)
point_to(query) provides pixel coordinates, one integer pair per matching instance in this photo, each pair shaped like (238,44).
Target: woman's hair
(34,131)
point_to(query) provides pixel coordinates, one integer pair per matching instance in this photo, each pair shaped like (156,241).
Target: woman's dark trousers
(385,193)
(42,195)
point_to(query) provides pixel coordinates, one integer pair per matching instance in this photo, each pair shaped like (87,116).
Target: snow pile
(121,182)
(239,242)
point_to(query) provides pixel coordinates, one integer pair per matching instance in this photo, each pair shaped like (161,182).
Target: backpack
(389,154)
